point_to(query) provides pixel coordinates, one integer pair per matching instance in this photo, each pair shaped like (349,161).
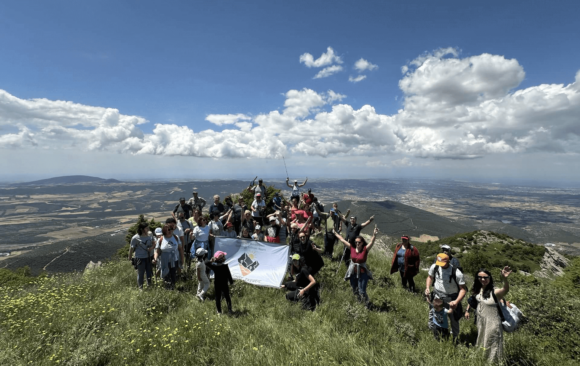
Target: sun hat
(442,259)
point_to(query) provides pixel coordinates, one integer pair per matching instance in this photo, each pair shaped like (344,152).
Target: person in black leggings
(223,278)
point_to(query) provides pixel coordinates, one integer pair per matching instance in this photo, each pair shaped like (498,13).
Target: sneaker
(200,297)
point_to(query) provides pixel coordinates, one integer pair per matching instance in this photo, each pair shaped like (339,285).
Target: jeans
(359,285)
(143,267)
(409,279)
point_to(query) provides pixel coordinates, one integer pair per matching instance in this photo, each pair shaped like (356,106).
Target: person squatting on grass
(449,287)
(358,272)
(201,271)
(222,280)
(406,260)
(142,245)
(438,318)
(304,288)
(489,327)
(166,251)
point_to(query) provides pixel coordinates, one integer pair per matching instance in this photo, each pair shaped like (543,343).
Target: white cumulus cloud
(327,58)
(452,108)
(357,78)
(327,71)
(363,65)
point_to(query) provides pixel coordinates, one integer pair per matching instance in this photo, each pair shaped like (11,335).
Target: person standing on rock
(406,260)
(449,286)
(142,246)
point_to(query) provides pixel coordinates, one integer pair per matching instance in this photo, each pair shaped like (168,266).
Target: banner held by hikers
(258,263)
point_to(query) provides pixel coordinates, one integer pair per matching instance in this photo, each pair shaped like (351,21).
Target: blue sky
(177,63)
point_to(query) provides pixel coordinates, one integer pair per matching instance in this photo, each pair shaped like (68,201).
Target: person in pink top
(358,271)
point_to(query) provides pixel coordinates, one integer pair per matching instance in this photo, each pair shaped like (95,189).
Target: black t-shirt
(302,277)
(222,273)
(183,208)
(352,231)
(311,257)
(219,208)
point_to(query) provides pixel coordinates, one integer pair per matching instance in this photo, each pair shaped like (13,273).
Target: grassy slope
(101,318)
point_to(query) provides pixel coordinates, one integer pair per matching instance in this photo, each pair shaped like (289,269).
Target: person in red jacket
(406,260)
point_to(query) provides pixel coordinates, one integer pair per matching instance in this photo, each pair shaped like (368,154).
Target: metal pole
(287,176)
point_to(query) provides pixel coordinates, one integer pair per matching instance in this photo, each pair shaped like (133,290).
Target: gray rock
(92,265)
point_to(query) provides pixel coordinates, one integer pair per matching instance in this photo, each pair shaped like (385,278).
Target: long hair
(362,239)
(142,226)
(477,285)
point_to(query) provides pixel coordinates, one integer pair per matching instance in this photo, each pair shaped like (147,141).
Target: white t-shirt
(295,190)
(178,231)
(216,227)
(201,233)
(256,205)
(442,283)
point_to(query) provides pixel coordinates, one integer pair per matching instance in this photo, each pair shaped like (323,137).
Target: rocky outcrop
(92,265)
(553,264)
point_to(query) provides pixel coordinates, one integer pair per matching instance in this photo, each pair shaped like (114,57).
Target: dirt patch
(424,238)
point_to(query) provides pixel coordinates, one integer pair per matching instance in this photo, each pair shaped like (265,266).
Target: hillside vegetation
(484,249)
(100,318)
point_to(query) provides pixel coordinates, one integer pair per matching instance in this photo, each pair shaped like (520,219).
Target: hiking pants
(202,287)
(223,290)
(329,245)
(454,323)
(440,333)
(359,285)
(171,277)
(143,267)
(407,279)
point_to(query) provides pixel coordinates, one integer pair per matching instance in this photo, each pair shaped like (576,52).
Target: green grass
(100,318)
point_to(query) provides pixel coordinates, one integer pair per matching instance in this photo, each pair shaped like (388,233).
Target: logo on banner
(247,263)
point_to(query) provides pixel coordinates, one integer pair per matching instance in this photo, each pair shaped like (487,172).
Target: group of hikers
(188,237)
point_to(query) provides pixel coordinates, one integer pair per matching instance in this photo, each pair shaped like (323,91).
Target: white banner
(255,262)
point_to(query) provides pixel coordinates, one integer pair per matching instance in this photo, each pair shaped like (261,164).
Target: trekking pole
(343,254)
(287,176)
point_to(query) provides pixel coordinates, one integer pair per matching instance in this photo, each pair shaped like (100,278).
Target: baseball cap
(295,181)
(272,218)
(229,224)
(353,217)
(258,227)
(219,252)
(259,195)
(159,231)
(406,237)
(442,259)
(182,198)
(200,251)
(446,247)
(296,257)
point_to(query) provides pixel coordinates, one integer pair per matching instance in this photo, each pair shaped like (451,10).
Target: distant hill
(396,219)
(68,179)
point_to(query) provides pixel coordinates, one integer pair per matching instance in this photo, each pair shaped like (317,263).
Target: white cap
(258,227)
(158,231)
(272,218)
(445,246)
(200,251)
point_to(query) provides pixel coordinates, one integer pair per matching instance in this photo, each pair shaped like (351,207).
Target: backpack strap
(500,312)
(452,277)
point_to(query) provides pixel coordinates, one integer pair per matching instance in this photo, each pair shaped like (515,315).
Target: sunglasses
(483,277)
(302,237)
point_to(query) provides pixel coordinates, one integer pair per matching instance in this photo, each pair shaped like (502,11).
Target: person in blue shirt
(438,319)
(277,201)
